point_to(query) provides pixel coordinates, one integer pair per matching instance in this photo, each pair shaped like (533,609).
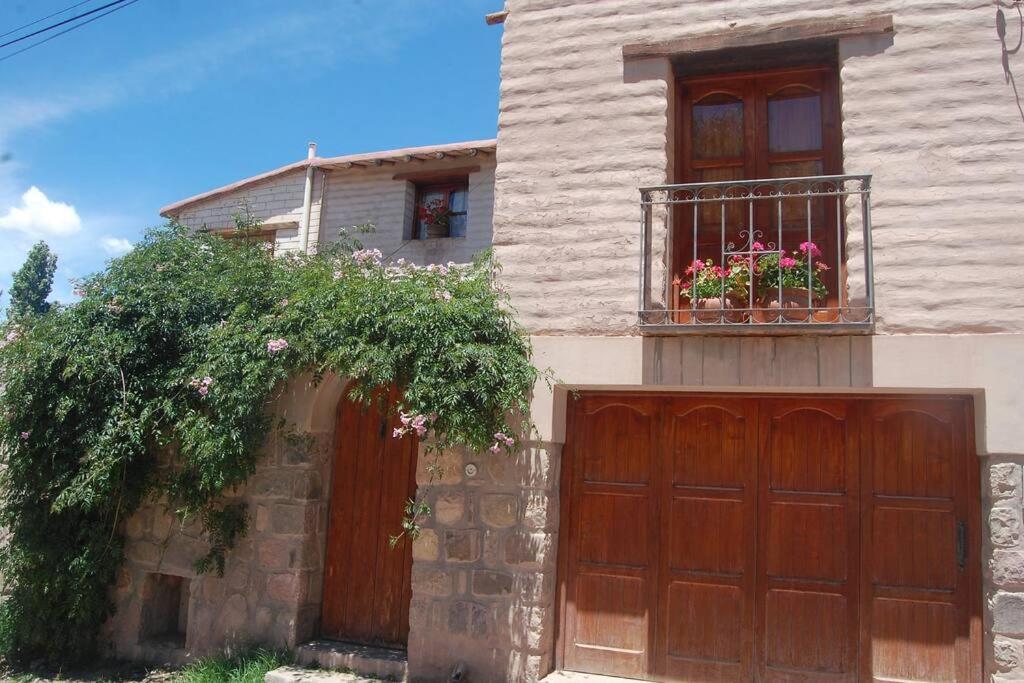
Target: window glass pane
(718,127)
(457,201)
(794,123)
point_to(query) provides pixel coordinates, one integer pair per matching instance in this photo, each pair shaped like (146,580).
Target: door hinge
(961,545)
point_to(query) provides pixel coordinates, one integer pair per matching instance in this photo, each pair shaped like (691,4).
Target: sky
(164,99)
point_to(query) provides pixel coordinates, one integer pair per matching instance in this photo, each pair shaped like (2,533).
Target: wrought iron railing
(757,256)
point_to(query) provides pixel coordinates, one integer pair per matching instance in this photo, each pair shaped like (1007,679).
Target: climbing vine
(174,352)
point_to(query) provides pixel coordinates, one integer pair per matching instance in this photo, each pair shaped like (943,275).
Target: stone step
(372,662)
(577,677)
(296,674)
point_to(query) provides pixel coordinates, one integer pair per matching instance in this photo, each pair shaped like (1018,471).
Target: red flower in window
(435,212)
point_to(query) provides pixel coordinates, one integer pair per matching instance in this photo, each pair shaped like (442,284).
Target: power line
(61,23)
(127,3)
(48,16)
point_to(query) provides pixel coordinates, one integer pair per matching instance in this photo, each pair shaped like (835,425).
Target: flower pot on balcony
(790,302)
(711,310)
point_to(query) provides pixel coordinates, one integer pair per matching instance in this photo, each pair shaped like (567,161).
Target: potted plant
(782,283)
(712,293)
(435,216)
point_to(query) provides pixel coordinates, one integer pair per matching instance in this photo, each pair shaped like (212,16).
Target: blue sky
(167,98)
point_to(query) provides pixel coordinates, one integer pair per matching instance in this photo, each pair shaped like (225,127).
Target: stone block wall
(271,589)
(483,574)
(1004,568)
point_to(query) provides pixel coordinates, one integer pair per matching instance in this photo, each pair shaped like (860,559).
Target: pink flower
(820,266)
(25,435)
(275,345)
(443,295)
(204,390)
(810,247)
(757,246)
(787,262)
(495,448)
(398,432)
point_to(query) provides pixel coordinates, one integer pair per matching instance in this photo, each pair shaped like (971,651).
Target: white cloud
(116,246)
(38,216)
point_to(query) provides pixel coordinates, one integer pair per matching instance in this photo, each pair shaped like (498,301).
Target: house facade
(798,458)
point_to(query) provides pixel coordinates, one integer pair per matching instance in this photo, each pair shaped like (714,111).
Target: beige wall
(927,111)
(344,198)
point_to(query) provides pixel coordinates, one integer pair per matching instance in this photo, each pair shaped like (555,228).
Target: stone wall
(1004,569)
(484,567)
(271,588)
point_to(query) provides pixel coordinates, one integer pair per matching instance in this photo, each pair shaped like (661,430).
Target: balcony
(772,256)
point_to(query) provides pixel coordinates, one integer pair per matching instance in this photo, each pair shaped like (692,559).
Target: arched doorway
(367,583)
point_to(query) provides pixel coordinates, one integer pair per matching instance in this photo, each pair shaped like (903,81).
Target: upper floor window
(782,123)
(441,209)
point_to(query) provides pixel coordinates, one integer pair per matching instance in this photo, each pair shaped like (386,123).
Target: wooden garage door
(740,538)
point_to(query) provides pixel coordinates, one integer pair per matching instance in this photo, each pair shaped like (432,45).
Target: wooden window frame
(266,235)
(754,88)
(446,185)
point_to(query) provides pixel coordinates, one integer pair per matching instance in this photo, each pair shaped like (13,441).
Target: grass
(244,667)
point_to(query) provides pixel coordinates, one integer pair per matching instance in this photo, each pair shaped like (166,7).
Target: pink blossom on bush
(25,435)
(275,345)
(787,262)
(757,246)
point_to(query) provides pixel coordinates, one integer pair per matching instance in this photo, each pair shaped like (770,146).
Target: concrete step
(577,677)
(372,662)
(295,674)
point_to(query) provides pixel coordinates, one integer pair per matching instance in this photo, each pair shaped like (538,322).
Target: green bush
(179,347)
(247,667)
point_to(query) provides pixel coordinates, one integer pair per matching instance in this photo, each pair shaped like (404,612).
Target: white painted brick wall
(355,197)
(931,116)
(359,196)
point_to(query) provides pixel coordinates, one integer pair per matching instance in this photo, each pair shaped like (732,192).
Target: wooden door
(808,540)
(772,538)
(611,563)
(366,582)
(920,569)
(782,123)
(706,584)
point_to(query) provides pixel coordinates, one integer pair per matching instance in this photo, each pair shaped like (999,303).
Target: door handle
(961,545)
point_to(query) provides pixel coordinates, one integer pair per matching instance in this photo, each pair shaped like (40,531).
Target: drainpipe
(307,201)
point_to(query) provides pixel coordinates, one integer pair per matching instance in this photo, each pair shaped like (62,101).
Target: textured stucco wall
(927,111)
(342,199)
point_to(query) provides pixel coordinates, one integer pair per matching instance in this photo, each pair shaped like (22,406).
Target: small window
(165,602)
(441,209)
(264,237)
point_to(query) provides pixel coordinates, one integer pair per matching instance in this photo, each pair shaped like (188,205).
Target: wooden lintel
(495,18)
(750,36)
(417,176)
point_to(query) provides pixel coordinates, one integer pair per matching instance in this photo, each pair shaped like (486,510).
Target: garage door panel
(913,454)
(705,621)
(800,541)
(617,444)
(613,529)
(708,445)
(807,631)
(913,640)
(808,452)
(612,611)
(913,547)
(703,536)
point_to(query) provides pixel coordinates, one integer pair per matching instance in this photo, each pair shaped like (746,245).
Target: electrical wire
(48,16)
(61,23)
(127,3)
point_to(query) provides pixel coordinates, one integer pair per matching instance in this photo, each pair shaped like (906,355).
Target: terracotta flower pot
(791,303)
(710,311)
